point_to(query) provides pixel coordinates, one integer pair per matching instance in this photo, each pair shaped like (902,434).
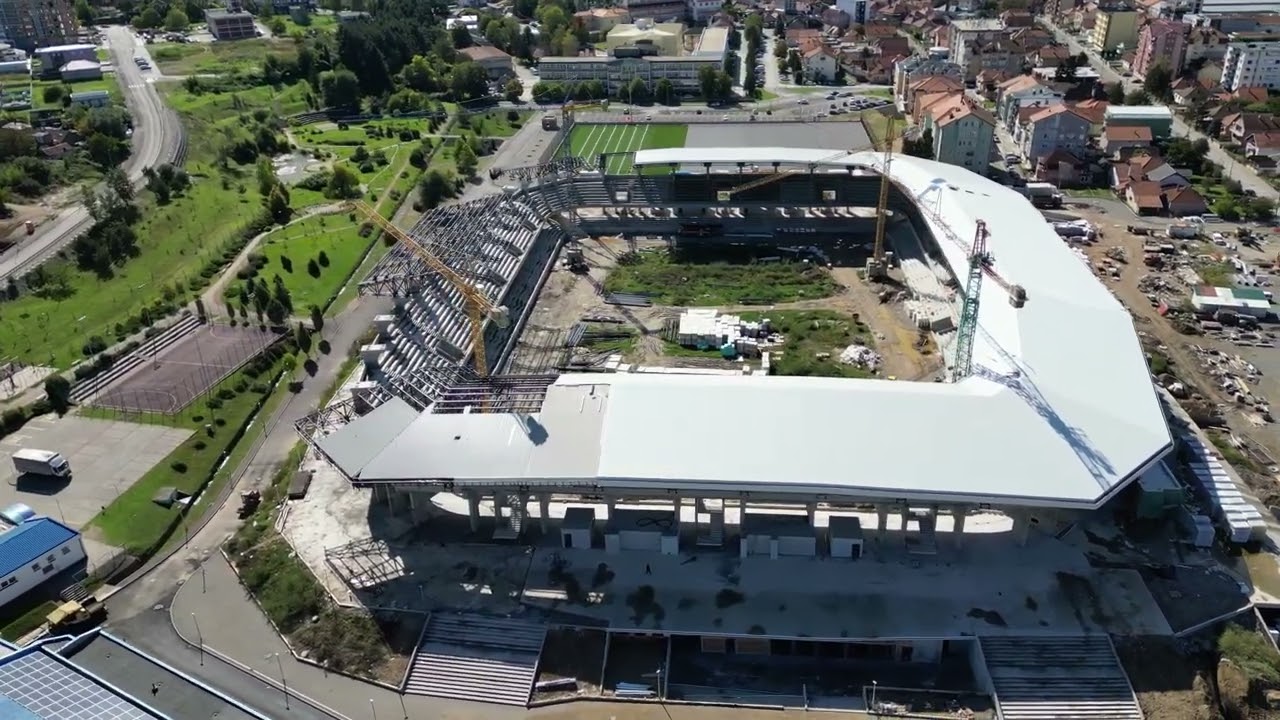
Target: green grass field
(620,140)
(693,281)
(219,58)
(289,249)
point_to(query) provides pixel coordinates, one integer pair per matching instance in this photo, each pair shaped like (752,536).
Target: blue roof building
(26,543)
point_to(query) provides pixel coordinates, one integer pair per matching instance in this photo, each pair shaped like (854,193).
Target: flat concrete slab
(106,457)
(989,587)
(836,135)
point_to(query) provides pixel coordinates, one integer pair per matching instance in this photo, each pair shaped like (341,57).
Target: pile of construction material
(861,356)
(1215,485)
(1237,378)
(706,328)
(1076,230)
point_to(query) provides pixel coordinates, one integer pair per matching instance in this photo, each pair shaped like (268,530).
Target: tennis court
(170,381)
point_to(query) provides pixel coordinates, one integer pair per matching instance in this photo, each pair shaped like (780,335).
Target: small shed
(648,530)
(778,536)
(1243,301)
(575,531)
(77,70)
(91,98)
(846,536)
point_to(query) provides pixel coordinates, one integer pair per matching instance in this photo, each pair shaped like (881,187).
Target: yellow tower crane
(478,306)
(877,265)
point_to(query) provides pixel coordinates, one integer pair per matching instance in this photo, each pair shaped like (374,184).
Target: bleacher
(1059,678)
(477,658)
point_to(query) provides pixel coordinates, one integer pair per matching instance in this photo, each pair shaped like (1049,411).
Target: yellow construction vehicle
(478,306)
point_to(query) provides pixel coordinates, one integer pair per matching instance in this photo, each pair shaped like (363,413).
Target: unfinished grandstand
(1044,410)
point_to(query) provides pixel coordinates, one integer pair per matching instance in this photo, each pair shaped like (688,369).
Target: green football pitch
(619,141)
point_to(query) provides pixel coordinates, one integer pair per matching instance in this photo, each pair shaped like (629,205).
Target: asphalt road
(1232,168)
(157,135)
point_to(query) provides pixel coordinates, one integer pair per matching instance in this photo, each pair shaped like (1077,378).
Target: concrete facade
(1161,42)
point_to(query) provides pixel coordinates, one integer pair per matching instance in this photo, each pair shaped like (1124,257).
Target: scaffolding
(503,394)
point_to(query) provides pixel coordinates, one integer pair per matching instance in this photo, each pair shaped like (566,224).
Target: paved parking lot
(106,458)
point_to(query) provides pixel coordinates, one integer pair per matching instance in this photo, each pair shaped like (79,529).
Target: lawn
(809,334)
(107,83)
(876,124)
(136,523)
(314,25)
(289,250)
(621,140)
(219,58)
(496,123)
(691,280)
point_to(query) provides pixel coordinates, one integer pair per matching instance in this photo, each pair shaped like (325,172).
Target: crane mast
(978,262)
(877,265)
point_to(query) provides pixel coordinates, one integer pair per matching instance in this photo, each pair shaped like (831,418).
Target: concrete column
(523,509)
(609,502)
(812,509)
(544,512)
(958,515)
(905,511)
(473,509)
(1021,526)
(882,519)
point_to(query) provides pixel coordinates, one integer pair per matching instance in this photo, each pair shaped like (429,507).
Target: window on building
(66,551)
(35,566)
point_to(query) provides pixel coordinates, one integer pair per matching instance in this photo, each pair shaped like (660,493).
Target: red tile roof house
(1117,138)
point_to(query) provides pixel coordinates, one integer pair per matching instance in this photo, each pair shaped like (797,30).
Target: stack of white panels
(1237,515)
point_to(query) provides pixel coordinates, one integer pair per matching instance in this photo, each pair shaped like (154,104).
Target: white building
(34,552)
(1251,64)
(702,10)
(859,11)
(1230,7)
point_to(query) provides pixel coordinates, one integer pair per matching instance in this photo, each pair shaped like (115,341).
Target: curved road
(157,137)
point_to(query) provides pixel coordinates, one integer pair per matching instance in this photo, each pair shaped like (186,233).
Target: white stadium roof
(1061,410)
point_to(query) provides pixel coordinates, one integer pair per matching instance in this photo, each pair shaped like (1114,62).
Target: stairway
(1059,678)
(477,658)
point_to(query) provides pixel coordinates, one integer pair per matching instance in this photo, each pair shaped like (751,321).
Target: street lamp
(373,709)
(284,685)
(874,685)
(199,637)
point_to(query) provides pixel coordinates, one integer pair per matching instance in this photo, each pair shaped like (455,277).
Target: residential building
(1242,301)
(917,67)
(616,72)
(924,87)
(230,25)
(1231,7)
(350,16)
(998,56)
(1095,111)
(1187,92)
(1251,64)
(820,63)
(34,552)
(655,9)
(1149,186)
(495,62)
(1204,43)
(1049,56)
(1156,117)
(1017,19)
(703,10)
(1263,146)
(1161,42)
(1022,92)
(963,136)
(1114,30)
(1058,167)
(859,11)
(52,58)
(962,34)
(1119,139)
(28,24)
(1057,127)
(1238,127)
(602,20)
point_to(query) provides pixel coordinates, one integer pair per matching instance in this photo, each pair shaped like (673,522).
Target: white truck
(41,462)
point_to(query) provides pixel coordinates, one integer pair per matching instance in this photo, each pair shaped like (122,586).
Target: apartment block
(1114,29)
(1161,42)
(227,25)
(1251,64)
(28,24)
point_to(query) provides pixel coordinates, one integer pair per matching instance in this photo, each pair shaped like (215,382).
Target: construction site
(622,427)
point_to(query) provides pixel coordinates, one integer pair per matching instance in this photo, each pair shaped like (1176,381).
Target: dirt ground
(11,232)
(567,298)
(1172,688)
(1147,320)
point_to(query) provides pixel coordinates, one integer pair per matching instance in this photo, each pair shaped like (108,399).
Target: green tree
(460,36)
(176,20)
(147,19)
(266,174)
(1115,94)
(317,318)
(58,390)
(339,88)
(780,49)
(435,188)
(1159,81)
(469,81)
(513,90)
(1137,97)
(465,158)
(343,183)
(277,204)
(665,92)
(84,13)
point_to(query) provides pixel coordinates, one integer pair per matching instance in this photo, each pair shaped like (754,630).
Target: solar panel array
(50,689)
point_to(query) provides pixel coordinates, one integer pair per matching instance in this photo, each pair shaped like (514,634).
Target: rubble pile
(861,356)
(1236,378)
